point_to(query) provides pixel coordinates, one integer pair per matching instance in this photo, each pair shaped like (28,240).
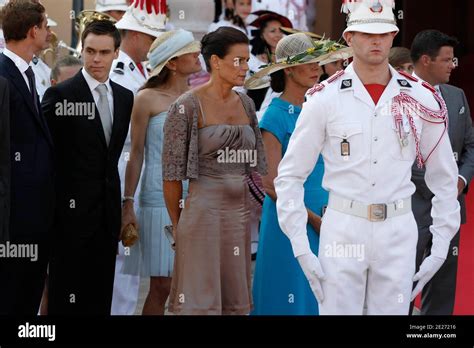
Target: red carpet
(464,304)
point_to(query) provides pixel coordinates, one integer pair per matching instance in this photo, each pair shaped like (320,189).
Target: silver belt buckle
(377,212)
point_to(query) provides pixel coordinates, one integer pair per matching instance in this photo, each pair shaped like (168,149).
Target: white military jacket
(378,169)
(126,73)
(42,76)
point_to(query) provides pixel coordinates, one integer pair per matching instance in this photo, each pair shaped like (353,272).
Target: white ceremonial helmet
(111,5)
(51,23)
(370,16)
(145,16)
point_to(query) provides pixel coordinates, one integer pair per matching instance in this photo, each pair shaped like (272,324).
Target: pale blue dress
(152,255)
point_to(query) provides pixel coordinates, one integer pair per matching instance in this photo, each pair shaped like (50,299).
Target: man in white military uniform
(370,123)
(139,28)
(40,68)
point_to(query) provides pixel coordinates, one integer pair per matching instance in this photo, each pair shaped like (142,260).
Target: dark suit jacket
(461,135)
(31,156)
(87,181)
(4,160)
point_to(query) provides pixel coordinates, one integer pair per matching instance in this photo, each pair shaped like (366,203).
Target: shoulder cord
(404,101)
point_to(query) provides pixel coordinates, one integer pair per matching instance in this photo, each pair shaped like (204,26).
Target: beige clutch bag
(129,235)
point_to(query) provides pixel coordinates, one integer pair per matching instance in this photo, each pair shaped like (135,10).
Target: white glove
(314,273)
(428,269)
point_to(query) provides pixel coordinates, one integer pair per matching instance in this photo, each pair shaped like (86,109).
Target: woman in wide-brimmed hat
(263,45)
(173,56)
(280,287)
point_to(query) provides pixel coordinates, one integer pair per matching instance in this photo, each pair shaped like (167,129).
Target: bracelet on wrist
(128,198)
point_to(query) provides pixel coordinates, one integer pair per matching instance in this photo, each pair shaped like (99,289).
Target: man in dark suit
(89,117)
(4,160)
(31,161)
(433,55)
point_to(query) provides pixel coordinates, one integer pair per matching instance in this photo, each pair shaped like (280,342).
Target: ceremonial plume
(349,6)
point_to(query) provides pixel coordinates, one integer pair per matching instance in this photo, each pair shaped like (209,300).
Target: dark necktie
(31,81)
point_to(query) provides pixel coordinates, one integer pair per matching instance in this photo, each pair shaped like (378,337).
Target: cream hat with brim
(170,45)
(298,49)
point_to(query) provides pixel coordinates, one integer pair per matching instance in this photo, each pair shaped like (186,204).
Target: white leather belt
(371,212)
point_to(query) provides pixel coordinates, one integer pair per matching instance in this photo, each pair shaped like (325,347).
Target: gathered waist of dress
(152,199)
(211,167)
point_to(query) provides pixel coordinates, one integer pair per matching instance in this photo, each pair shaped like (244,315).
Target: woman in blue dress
(280,286)
(173,57)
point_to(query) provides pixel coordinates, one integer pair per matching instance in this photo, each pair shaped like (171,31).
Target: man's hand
(314,273)
(428,269)
(461,186)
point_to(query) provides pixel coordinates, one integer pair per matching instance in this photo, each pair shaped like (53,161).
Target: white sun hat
(370,16)
(145,16)
(111,5)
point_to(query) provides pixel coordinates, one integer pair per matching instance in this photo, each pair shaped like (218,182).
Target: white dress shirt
(93,83)
(20,63)
(378,169)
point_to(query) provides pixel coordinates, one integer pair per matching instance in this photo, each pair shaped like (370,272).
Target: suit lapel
(452,112)
(85,95)
(20,84)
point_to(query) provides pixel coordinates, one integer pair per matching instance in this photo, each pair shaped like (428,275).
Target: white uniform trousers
(364,261)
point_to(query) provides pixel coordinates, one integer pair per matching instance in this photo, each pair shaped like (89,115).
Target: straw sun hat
(298,49)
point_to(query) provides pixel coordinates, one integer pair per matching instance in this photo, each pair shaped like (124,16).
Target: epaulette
(316,88)
(408,76)
(119,69)
(335,76)
(428,86)
(319,86)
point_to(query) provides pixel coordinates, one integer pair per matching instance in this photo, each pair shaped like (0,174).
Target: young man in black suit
(31,186)
(89,117)
(4,160)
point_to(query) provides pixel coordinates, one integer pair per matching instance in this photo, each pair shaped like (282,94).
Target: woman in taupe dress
(211,137)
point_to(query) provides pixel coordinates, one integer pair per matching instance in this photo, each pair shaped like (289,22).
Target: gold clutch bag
(129,235)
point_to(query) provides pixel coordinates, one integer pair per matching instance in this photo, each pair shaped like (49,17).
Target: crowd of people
(331,164)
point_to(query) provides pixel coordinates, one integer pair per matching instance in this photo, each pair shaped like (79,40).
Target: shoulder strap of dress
(200,108)
(246,101)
